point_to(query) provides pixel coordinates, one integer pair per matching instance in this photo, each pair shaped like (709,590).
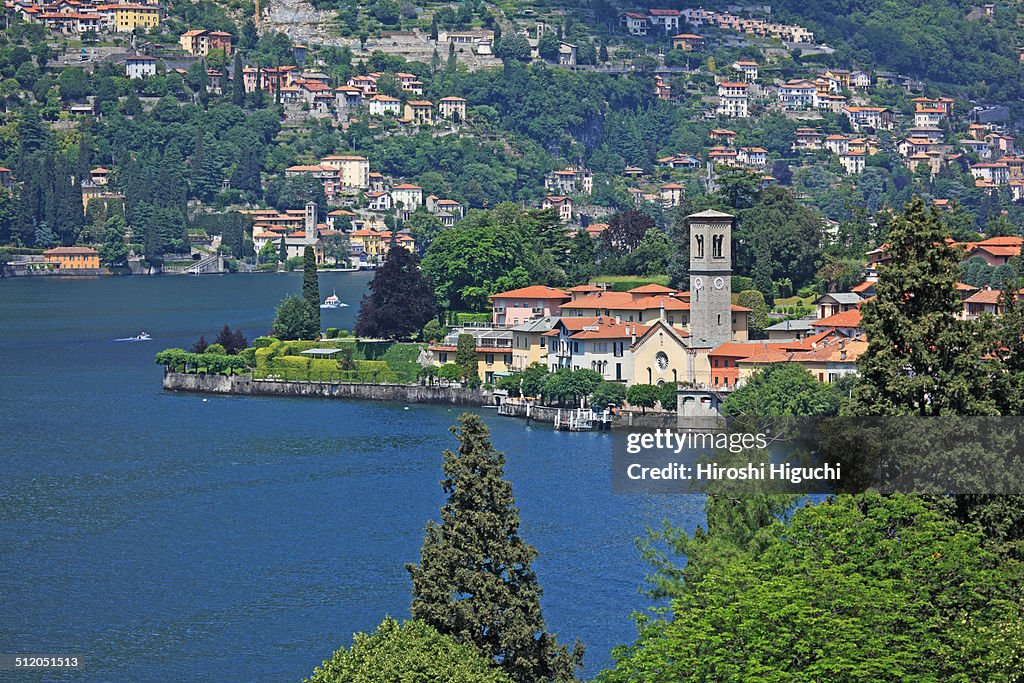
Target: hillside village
(726,104)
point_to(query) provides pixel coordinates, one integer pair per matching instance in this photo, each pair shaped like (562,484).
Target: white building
(384,105)
(800,94)
(563,204)
(140,67)
(408,197)
(852,162)
(732,100)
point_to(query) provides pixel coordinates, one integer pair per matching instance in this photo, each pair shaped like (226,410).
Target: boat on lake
(333,302)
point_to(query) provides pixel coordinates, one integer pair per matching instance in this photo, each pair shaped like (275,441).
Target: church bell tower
(710,278)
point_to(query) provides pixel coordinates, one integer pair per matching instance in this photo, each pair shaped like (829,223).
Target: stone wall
(401,393)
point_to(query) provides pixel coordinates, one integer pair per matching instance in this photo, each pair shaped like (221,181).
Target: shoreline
(245,385)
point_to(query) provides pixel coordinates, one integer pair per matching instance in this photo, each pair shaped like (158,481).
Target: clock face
(719,283)
(698,283)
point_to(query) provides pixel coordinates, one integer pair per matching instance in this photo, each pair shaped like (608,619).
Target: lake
(184,538)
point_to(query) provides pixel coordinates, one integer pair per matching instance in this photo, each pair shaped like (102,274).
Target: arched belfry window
(716,246)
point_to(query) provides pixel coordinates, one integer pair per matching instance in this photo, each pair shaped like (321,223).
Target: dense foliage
(394,651)
(858,588)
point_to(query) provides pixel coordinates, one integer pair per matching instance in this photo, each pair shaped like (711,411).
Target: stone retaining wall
(403,393)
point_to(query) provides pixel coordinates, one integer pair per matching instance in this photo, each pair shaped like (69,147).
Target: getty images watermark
(670,459)
(666,440)
(825,455)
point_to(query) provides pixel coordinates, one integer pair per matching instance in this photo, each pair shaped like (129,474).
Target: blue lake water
(176,537)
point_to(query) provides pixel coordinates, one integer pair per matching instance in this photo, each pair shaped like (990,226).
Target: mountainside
(948,41)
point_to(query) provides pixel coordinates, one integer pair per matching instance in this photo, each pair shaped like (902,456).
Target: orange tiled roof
(532,292)
(851,318)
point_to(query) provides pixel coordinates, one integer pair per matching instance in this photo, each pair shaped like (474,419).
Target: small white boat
(333,302)
(141,336)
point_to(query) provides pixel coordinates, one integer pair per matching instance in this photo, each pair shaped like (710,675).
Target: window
(508,359)
(661,359)
(489,358)
(443,357)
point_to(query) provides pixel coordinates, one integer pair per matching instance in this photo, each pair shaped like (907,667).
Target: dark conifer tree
(311,282)
(238,82)
(475,581)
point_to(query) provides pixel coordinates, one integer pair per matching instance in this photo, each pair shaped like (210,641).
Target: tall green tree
(758,317)
(465,356)
(311,282)
(475,581)
(238,81)
(922,358)
(296,319)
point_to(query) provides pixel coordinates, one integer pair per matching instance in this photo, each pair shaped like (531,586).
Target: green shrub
(805,292)
(215,348)
(289,367)
(260,342)
(742,283)
(463,318)
(343,333)
(332,333)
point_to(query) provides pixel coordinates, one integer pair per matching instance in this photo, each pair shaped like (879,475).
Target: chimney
(842,354)
(661,312)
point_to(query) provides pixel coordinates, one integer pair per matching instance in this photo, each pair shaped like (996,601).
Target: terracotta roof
(70,251)
(532,292)
(851,318)
(746,349)
(653,289)
(607,328)
(625,301)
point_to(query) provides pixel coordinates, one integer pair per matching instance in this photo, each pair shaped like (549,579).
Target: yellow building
(529,345)
(73,257)
(493,351)
(126,17)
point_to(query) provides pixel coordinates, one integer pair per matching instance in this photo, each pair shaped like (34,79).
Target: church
(664,353)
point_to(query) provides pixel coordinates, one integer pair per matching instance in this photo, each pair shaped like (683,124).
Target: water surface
(176,537)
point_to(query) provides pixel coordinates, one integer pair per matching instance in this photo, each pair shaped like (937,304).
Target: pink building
(517,306)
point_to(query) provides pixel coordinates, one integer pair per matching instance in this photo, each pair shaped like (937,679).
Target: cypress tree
(474,581)
(465,356)
(922,359)
(282,254)
(310,282)
(238,82)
